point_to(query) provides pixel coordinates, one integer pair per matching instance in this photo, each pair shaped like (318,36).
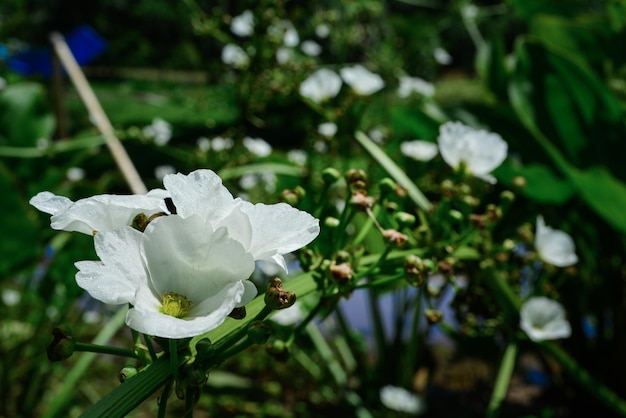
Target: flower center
(175,305)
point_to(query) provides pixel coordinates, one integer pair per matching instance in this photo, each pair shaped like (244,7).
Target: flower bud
(478,220)
(276,297)
(342,273)
(387,186)
(356,178)
(330,175)
(455,215)
(331,222)
(62,345)
(415,270)
(361,201)
(279,350)
(520,182)
(394,238)
(404,219)
(259,332)
(238,313)
(433,316)
(126,372)
(493,212)
(290,197)
(446,267)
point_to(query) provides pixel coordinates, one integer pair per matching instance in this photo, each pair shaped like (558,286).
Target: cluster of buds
(416,270)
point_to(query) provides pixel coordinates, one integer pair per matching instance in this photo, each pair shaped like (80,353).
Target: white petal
(249,293)
(279,229)
(322,85)
(186,256)
(419,150)
(554,246)
(201,192)
(451,145)
(544,319)
(50,203)
(209,314)
(115,279)
(363,81)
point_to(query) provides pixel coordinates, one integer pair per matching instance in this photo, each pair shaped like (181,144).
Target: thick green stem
(95,348)
(502,381)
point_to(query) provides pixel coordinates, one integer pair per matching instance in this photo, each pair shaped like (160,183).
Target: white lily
(544,319)
(554,246)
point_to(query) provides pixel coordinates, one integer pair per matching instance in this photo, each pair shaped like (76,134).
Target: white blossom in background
(269,181)
(554,246)
(442,56)
(248,181)
(476,150)
(289,316)
(42,144)
(163,170)
(186,271)
(291,37)
(378,134)
(219,144)
(363,81)
(257,146)
(235,56)
(203,144)
(160,131)
(419,150)
(297,156)
(320,86)
(92,317)
(327,129)
(401,400)
(3,83)
(266,179)
(11,297)
(410,85)
(320,147)
(322,30)
(243,24)
(75,174)
(311,48)
(284,55)
(542,319)
(469,11)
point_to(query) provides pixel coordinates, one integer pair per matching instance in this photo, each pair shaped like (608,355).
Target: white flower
(235,56)
(442,56)
(160,131)
(221,144)
(98,213)
(419,150)
(320,86)
(327,129)
(322,30)
(378,134)
(75,174)
(291,37)
(320,147)
(203,144)
(257,146)
(283,55)
(554,246)
(410,85)
(187,271)
(11,297)
(3,83)
(163,170)
(243,25)
(479,151)
(311,48)
(248,181)
(297,156)
(544,319)
(401,400)
(362,81)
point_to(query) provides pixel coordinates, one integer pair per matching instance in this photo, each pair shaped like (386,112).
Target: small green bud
(391,207)
(127,372)
(356,178)
(433,316)
(62,345)
(330,175)
(415,270)
(387,186)
(520,182)
(290,197)
(259,332)
(140,221)
(507,197)
(455,214)
(342,256)
(276,297)
(361,201)
(395,238)
(331,222)
(404,219)
(279,350)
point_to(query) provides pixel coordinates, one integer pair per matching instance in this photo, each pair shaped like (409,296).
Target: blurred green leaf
(542,184)
(411,122)
(24,114)
(491,66)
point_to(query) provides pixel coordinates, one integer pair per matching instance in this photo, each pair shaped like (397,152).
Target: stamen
(175,305)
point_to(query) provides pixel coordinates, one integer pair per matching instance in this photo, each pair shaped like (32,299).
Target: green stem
(380,282)
(150,346)
(502,381)
(95,348)
(163,399)
(379,331)
(371,268)
(584,379)
(174,357)
(304,323)
(413,347)
(189,402)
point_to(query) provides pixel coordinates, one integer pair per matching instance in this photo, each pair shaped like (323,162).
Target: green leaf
(394,171)
(542,184)
(491,66)
(24,114)
(411,122)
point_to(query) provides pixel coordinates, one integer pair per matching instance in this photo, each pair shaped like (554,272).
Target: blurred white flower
(544,319)
(235,56)
(3,83)
(469,11)
(554,246)
(257,146)
(378,134)
(311,48)
(219,143)
(163,170)
(327,129)
(410,85)
(92,317)
(363,81)
(476,150)
(442,56)
(291,37)
(203,144)
(320,86)
(419,150)
(160,131)
(243,25)
(42,143)
(248,181)
(322,30)
(11,297)
(75,174)
(289,316)
(284,55)
(401,400)
(297,156)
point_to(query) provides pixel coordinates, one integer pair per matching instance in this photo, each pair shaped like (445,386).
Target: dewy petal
(115,279)
(279,229)
(201,192)
(98,213)
(189,257)
(544,319)
(554,246)
(203,317)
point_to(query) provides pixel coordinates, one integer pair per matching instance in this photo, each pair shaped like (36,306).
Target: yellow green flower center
(175,305)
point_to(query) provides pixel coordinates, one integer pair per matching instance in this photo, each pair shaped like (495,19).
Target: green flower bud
(433,316)
(404,219)
(259,332)
(387,186)
(279,350)
(342,273)
(455,214)
(356,178)
(276,297)
(290,197)
(416,270)
(520,182)
(127,372)
(331,222)
(330,175)
(62,345)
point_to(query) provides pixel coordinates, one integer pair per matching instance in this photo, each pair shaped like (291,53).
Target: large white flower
(544,319)
(320,86)
(419,150)
(181,276)
(401,400)
(98,213)
(363,81)
(477,150)
(554,246)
